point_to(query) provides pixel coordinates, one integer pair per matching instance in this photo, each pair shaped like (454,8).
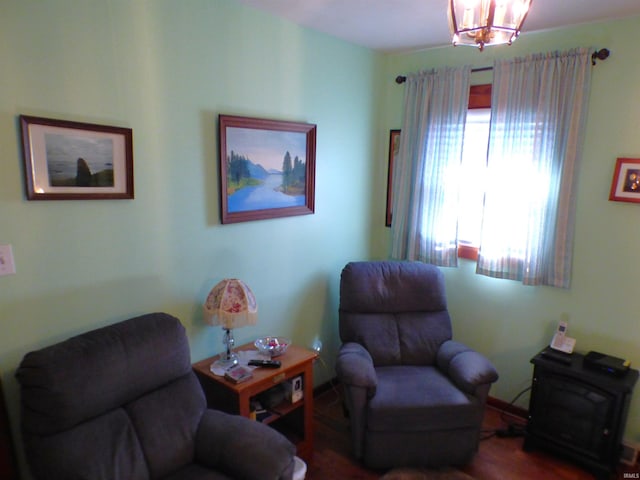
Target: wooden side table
(295,420)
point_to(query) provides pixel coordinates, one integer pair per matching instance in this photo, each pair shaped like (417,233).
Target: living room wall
(166,69)
(510,322)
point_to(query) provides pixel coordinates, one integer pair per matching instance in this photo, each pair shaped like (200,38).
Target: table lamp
(230,303)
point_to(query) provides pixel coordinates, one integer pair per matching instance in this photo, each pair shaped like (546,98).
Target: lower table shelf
(283,409)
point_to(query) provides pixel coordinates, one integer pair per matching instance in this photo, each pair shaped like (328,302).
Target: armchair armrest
(355,370)
(354,366)
(243,448)
(466,367)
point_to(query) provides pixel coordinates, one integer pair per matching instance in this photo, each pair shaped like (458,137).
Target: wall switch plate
(7,265)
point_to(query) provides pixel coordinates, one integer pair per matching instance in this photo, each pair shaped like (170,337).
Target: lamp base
(228,358)
(224,363)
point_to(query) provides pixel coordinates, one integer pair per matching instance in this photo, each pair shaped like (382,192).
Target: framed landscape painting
(267,168)
(66,160)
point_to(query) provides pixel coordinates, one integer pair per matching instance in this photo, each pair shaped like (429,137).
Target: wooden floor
(499,458)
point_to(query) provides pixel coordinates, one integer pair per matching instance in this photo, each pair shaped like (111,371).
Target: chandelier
(486,22)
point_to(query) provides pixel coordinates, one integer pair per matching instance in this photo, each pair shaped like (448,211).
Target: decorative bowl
(272,346)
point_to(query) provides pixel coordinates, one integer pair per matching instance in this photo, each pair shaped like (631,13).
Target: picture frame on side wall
(394,147)
(267,168)
(625,186)
(66,160)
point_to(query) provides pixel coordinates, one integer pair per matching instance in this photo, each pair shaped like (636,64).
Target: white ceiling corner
(405,25)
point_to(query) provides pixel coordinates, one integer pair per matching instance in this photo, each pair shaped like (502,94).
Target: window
(473,171)
(535,137)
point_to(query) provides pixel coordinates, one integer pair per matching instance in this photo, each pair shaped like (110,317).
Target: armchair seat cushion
(419,399)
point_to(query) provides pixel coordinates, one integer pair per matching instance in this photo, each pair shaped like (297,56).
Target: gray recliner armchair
(122,403)
(414,396)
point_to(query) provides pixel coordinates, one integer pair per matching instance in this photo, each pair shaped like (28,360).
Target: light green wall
(510,322)
(166,69)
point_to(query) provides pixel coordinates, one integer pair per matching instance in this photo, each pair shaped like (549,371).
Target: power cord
(513,428)
(338,398)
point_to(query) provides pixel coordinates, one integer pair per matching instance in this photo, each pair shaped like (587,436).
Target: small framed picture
(625,186)
(394,147)
(67,160)
(267,168)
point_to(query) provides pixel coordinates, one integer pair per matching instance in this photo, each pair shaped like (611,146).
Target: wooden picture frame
(65,160)
(267,168)
(394,147)
(625,186)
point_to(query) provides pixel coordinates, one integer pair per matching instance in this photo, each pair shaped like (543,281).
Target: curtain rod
(601,54)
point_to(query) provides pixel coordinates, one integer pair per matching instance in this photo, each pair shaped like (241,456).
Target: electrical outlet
(7,266)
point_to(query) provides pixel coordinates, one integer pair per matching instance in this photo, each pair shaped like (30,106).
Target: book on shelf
(257,411)
(238,374)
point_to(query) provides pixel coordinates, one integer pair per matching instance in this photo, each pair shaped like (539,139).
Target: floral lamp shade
(231,303)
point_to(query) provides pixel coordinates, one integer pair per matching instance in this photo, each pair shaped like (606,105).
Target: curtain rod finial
(401,79)
(601,54)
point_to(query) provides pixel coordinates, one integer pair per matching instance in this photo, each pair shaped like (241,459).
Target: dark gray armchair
(414,396)
(122,403)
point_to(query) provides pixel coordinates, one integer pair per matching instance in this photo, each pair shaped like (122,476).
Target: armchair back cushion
(120,402)
(396,310)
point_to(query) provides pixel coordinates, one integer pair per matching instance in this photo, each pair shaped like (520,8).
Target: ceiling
(404,25)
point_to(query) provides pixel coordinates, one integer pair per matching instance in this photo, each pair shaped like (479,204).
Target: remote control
(265,363)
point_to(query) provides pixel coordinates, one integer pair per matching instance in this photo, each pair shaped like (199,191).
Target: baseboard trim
(323,387)
(507,407)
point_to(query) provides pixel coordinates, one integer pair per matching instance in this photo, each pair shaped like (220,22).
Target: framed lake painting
(66,160)
(267,168)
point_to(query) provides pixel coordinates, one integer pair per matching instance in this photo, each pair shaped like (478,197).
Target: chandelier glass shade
(486,22)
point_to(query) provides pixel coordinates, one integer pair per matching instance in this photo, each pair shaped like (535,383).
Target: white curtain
(538,114)
(425,188)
